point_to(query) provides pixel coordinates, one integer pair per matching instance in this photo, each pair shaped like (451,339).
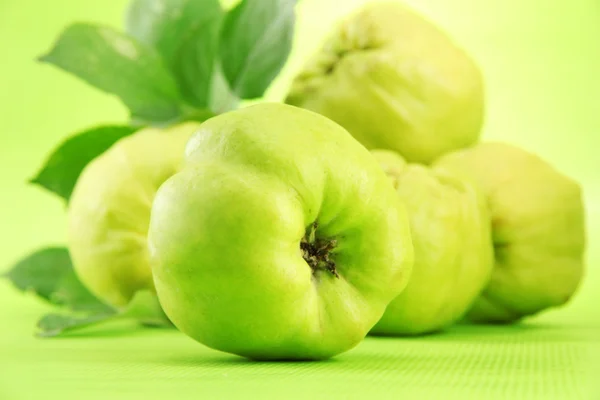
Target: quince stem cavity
(317,252)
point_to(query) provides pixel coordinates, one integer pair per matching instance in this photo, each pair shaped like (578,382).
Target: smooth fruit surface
(538,228)
(281,238)
(395,81)
(109,211)
(452,242)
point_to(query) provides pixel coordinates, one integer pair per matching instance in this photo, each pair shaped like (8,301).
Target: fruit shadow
(229,360)
(338,367)
(473,331)
(521,329)
(482,333)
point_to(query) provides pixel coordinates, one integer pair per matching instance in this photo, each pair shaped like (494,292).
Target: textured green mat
(541,360)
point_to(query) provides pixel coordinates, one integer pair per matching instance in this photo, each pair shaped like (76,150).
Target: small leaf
(256,40)
(119,64)
(55,324)
(143,308)
(66,162)
(185,33)
(49,274)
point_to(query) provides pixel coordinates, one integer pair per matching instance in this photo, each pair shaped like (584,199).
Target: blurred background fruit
(451,234)
(538,228)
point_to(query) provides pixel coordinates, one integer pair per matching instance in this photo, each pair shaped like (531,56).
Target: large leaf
(256,39)
(163,24)
(194,65)
(49,274)
(65,164)
(119,64)
(185,33)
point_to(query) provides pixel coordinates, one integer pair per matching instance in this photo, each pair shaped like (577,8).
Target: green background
(541,60)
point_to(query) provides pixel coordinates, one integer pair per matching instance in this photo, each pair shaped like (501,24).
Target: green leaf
(185,33)
(66,162)
(256,40)
(54,324)
(195,64)
(143,308)
(163,24)
(222,98)
(49,274)
(119,64)
(198,115)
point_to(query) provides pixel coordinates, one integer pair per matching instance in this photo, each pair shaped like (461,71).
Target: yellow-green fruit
(452,247)
(538,230)
(109,211)
(395,81)
(280,239)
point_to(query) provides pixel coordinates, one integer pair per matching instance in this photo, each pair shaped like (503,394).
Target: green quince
(452,247)
(538,228)
(109,211)
(281,238)
(395,81)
